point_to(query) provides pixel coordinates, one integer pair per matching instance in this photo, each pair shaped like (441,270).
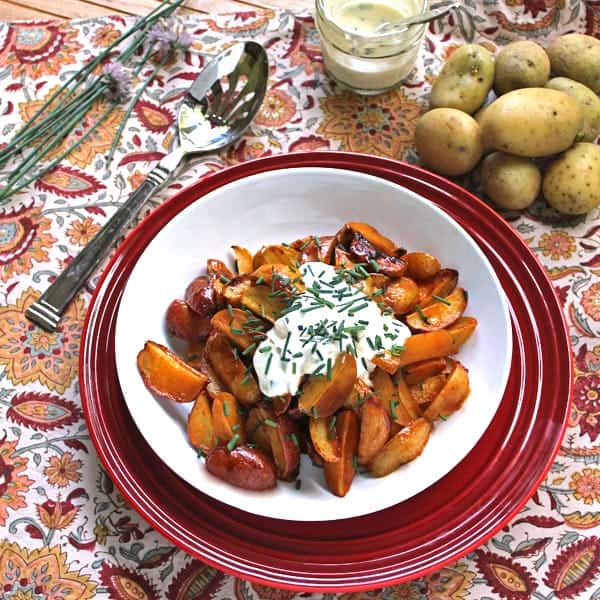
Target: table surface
(74,9)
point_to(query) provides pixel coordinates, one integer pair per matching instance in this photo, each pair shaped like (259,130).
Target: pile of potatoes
(536,134)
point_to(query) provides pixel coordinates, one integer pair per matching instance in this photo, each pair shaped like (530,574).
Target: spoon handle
(47,310)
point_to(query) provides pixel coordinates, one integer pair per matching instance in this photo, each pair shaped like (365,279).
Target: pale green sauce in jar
(365,18)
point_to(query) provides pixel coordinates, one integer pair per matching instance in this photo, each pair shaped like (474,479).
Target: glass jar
(359,51)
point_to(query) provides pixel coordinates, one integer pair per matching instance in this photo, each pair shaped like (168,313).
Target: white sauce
(294,332)
(364,17)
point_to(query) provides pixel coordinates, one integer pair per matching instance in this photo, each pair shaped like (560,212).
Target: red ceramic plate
(417,536)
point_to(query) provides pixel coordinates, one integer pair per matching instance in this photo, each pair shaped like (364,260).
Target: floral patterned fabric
(65,532)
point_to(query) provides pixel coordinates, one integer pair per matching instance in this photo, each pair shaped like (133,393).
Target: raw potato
(577,56)
(521,64)
(465,80)
(532,122)
(511,182)
(448,141)
(572,183)
(588,101)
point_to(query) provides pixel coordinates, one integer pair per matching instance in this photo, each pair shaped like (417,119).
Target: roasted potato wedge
(374,285)
(360,392)
(193,354)
(313,248)
(452,396)
(402,295)
(279,277)
(421,346)
(425,392)
(421,265)
(261,302)
(230,370)
(281,404)
(243,259)
(241,327)
(277,254)
(167,375)
(392,266)
(440,313)
(374,429)
(420,371)
(184,323)
(234,290)
(321,396)
(461,330)
(385,389)
(200,427)
(219,275)
(442,284)
(227,418)
(255,432)
(407,409)
(379,241)
(244,467)
(200,297)
(343,259)
(405,446)
(324,438)
(339,474)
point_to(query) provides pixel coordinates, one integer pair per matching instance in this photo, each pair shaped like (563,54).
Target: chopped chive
(268,365)
(355,462)
(249,349)
(422,314)
(305,245)
(293,368)
(363,322)
(374,264)
(265,349)
(329,369)
(260,279)
(393,404)
(230,311)
(396,349)
(234,351)
(298,355)
(310,270)
(232,443)
(235,427)
(286,343)
(313,410)
(370,344)
(318,369)
(224,279)
(364,363)
(226,408)
(317,241)
(246,379)
(298,483)
(294,439)
(236,331)
(271,423)
(199,453)
(358,308)
(442,417)
(332,422)
(440,299)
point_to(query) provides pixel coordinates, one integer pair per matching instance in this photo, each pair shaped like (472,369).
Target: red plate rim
(430,530)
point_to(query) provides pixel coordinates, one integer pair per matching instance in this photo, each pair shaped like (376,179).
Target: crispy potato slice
(243,328)
(279,277)
(360,392)
(362,250)
(280,431)
(234,290)
(386,391)
(227,418)
(405,446)
(243,259)
(243,467)
(392,266)
(425,391)
(372,235)
(339,474)
(219,275)
(200,427)
(324,438)
(402,295)
(419,371)
(184,323)
(321,396)
(167,375)
(231,371)
(439,314)
(452,396)
(343,259)
(420,346)
(313,248)
(461,330)
(374,284)
(422,265)
(255,433)
(276,254)
(260,301)
(442,284)
(406,401)
(374,429)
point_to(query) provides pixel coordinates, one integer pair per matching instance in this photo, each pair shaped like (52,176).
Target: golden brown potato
(439,314)
(376,239)
(452,396)
(374,284)
(227,418)
(277,254)
(233,292)
(360,391)
(406,401)
(405,446)
(200,428)
(314,248)
(343,259)
(244,467)
(230,370)
(165,374)
(425,391)
(420,371)
(219,275)
(243,259)
(261,302)
(255,432)
(279,277)
(339,474)
(421,265)
(321,396)
(243,328)
(461,330)
(440,285)
(402,295)
(324,438)
(374,429)
(184,323)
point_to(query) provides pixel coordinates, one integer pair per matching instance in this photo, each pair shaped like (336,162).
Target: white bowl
(281,206)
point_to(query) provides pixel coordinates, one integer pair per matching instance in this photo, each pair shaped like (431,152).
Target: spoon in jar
(215,112)
(420,19)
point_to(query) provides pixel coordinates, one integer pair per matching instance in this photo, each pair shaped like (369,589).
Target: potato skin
(577,56)
(511,182)
(588,101)
(532,122)
(244,467)
(448,141)
(571,184)
(519,65)
(465,79)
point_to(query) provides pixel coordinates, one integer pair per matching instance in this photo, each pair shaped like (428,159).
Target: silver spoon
(216,110)
(420,19)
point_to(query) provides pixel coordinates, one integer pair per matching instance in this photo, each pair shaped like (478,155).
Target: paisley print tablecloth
(65,532)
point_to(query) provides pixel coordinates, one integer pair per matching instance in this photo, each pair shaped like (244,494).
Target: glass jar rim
(362,38)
